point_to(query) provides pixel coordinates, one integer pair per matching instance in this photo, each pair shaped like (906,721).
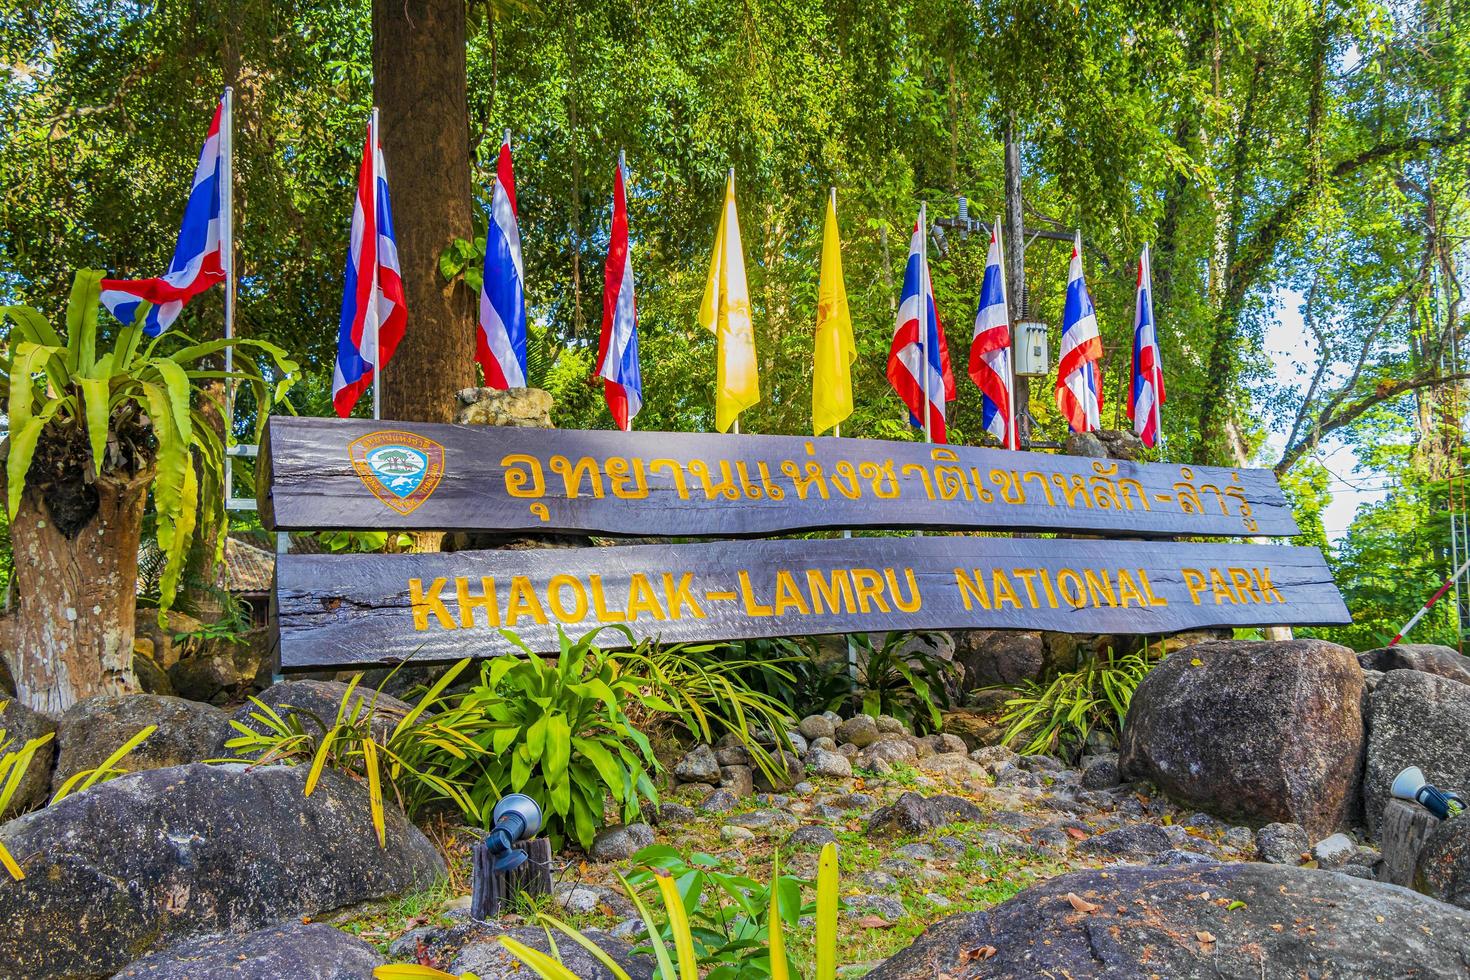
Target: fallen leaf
(1204,937)
(979,953)
(306,920)
(1077,834)
(1237,904)
(1081,904)
(1196,662)
(874,922)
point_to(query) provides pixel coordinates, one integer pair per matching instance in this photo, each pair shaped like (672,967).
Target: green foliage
(1056,718)
(85,779)
(130,408)
(560,733)
(789,670)
(359,542)
(724,927)
(904,675)
(420,757)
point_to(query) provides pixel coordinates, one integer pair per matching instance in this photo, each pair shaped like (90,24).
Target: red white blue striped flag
(617,346)
(197,263)
(990,349)
(906,354)
(1146,404)
(1079,391)
(374,314)
(500,342)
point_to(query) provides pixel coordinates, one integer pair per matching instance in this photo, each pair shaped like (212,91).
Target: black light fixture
(515,818)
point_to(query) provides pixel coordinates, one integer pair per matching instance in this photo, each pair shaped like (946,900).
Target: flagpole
(227,259)
(373,296)
(924,315)
(735,428)
(1012,442)
(623,176)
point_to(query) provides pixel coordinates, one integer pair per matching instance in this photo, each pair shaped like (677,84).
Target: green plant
(1056,718)
(421,758)
(13,765)
(905,676)
(130,406)
(87,778)
(786,669)
(680,931)
(560,733)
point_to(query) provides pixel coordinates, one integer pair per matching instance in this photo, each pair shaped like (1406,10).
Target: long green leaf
(826,938)
(81,322)
(96,393)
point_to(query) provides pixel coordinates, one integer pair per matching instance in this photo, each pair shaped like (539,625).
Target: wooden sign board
(336,611)
(331,474)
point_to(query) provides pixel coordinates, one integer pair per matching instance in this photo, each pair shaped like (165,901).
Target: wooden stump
(1406,826)
(488,890)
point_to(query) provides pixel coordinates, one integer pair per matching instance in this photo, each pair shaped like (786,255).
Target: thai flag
(374,314)
(1144,408)
(990,349)
(617,347)
(198,257)
(905,358)
(1079,393)
(500,343)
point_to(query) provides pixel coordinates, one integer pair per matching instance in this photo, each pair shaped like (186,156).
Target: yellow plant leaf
(679,926)
(827,913)
(780,969)
(10,864)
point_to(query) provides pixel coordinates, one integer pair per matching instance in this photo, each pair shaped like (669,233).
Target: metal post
(924,316)
(1015,259)
(373,295)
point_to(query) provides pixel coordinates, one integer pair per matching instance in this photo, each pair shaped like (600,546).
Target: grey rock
(489,960)
(316,703)
(619,842)
(176,853)
(1242,838)
(798,742)
(1016,776)
(804,788)
(1101,772)
(885,752)
(91,730)
(853,801)
(1281,843)
(788,770)
(999,840)
(825,744)
(524,408)
(937,900)
(1003,657)
(889,725)
(1427,657)
(831,765)
(1416,719)
(877,881)
(1259,731)
(669,814)
(1150,918)
(733,834)
(817,726)
(811,835)
(914,814)
(1130,841)
(21,725)
(297,951)
(739,780)
(761,819)
(1371,680)
(848,749)
(1443,867)
(916,852)
(881,905)
(1040,763)
(955,765)
(992,757)
(1177,857)
(1357,871)
(1085,444)
(944,743)
(699,765)
(719,801)
(860,730)
(1334,851)
(575,898)
(732,755)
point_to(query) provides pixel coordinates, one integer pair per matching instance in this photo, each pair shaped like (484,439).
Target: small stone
(1016,776)
(853,801)
(619,842)
(733,834)
(811,835)
(1101,772)
(1334,851)
(915,852)
(830,765)
(1281,843)
(848,749)
(993,757)
(860,730)
(699,765)
(673,813)
(888,908)
(764,818)
(937,900)
(1175,857)
(878,881)
(798,743)
(574,898)
(803,788)
(739,780)
(825,744)
(914,814)
(885,751)
(817,726)
(627,929)
(732,755)
(1240,838)
(720,801)
(1142,838)
(891,725)
(1040,763)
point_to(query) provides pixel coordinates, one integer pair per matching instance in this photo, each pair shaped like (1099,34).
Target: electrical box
(1030,348)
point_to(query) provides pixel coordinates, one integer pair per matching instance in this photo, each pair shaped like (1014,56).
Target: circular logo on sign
(400,468)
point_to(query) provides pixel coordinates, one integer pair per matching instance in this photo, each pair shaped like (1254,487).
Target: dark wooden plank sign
(345,610)
(331,474)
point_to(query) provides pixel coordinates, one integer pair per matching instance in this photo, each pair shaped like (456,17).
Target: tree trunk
(419,83)
(71,633)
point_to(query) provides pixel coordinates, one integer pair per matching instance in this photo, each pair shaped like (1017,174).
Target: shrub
(421,759)
(1056,718)
(786,670)
(906,679)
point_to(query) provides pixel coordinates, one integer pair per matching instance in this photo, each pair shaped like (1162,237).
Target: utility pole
(1015,259)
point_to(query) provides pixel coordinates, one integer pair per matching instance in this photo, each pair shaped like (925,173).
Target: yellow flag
(725,312)
(835,352)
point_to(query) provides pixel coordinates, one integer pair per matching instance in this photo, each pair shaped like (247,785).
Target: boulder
(820,762)
(817,726)
(92,729)
(881,755)
(699,765)
(1281,843)
(164,855)
(1443,868)
(860,730)
(296,950)
(524,408)
(915,814)
(1196,921)
(996,657)
(1255,731)
(622,841)
(20,725)
(1431,658)
(152,679)
(465,945)
(1130,841)
(1415,719)
(317,702)
(739,780)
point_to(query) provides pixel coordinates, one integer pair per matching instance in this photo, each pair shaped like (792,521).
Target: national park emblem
(400,468)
